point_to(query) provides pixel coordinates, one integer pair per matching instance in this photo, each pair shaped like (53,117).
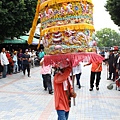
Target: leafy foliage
(16,17)
(113,7)
(107,38)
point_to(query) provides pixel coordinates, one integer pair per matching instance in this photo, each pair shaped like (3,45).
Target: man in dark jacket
(111,65)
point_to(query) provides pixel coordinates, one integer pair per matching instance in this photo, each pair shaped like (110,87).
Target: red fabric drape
(73,57)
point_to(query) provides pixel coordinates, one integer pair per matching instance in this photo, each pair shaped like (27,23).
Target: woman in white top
(77,71)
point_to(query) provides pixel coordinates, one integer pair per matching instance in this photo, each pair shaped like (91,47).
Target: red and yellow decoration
(66,25)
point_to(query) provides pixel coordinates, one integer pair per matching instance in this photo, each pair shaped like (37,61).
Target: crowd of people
(63,77)
(112,60)
(13,62)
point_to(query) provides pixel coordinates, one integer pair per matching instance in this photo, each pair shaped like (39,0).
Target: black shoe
(45,89)
(14,72)
(51,92)
(97,88)
(91,89)
(79,86)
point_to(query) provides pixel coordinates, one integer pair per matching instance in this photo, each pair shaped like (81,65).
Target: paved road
(23,98)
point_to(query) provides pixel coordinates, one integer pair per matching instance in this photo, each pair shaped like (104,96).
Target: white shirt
(15,59)
(106,55)
(33,54)
(4,59)
(30,53)
(77,69)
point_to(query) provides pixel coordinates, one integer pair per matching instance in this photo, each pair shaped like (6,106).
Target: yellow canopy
(52,2)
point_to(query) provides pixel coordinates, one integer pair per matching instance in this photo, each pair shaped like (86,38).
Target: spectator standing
(4,62)
(37,53)
(46,75)
(110,66)
(102,53)
(106,57)
(95,72)
(10,65)
(41,54)
(32,58)
(12,52)
(78,74)
(15,60)
(29,52)
(26,62)
(20,65)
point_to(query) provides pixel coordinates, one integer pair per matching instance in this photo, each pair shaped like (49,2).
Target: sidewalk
(23,98)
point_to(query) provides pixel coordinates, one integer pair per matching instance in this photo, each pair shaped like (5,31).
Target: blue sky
(101,17)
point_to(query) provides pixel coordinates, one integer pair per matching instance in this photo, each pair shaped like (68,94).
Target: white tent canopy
(34,42)
(36,35)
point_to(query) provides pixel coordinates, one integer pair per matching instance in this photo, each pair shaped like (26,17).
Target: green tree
(107,38)
(113,7)
(16,17)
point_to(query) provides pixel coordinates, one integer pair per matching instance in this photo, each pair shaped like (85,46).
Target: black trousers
(94,75)
(47,81)
(26,66)
(10,70)
(78,79)
(20,65)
